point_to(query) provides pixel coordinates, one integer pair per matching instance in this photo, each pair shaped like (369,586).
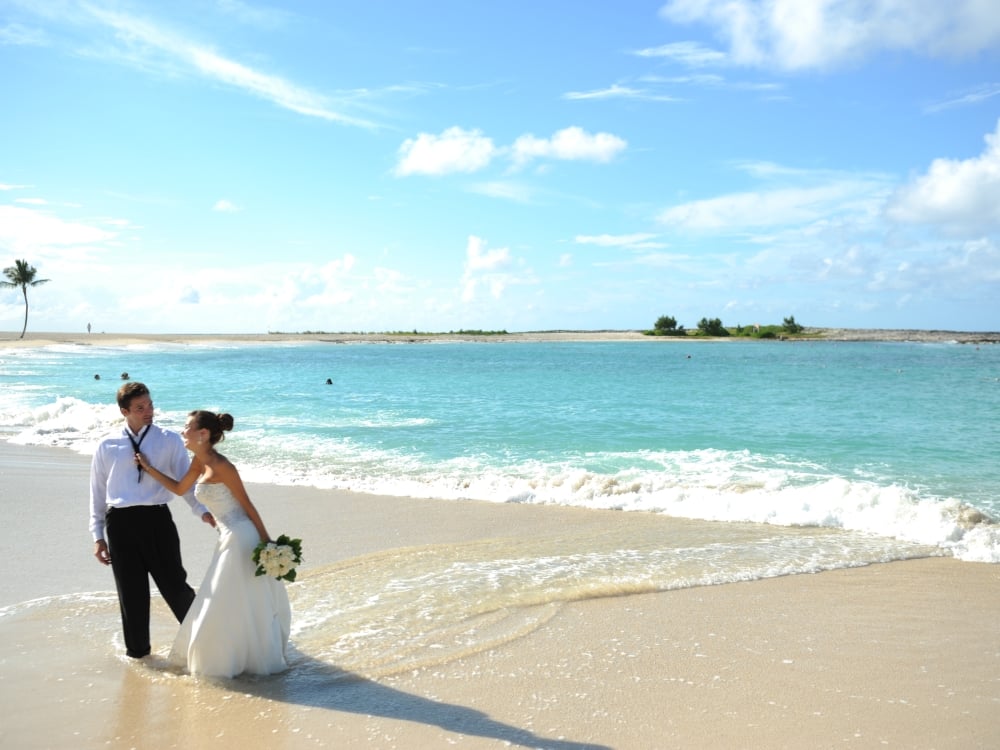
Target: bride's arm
(175,486)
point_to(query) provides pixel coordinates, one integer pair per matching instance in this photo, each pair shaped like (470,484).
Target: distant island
(34,339)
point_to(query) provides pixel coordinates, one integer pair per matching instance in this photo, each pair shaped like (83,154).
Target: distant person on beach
(239,622)
(131,525)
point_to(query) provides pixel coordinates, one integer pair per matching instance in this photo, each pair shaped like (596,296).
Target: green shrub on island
(666,325)
(712,327)
(790,326)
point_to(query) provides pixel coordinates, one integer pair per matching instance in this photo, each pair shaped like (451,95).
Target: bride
(239,622)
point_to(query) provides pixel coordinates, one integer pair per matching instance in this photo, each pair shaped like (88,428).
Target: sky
(235,166)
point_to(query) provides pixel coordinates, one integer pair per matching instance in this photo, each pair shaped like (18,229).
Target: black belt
(120,509)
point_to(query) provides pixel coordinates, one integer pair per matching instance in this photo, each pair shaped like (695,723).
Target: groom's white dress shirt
(115,480)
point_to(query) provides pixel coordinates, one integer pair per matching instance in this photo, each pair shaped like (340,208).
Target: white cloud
(148,46)
(505,189)
(478,258)
(225,206)
(639,240)
(611,92)
(299,294)
(616,91)
(688,53)
(389,281)
(15,34)
(969,97)
(24,230)
(572,143)
(455,150)
(959,195)
(767,208)
(796,34)
(484,268)
(459,150)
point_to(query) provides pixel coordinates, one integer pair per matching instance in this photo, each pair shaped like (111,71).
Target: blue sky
(374,165)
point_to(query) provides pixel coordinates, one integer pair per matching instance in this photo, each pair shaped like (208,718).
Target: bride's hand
(141,460)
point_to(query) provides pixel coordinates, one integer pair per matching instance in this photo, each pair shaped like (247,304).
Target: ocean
(792,457)
(896,440)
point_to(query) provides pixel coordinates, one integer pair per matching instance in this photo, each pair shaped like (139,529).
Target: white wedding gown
(239,622)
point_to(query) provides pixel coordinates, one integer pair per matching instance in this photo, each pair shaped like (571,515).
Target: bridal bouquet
(278,558)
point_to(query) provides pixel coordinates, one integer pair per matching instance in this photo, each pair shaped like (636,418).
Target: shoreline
(902,654)
(39,339)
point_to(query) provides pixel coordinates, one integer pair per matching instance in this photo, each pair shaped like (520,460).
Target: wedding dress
(239,622)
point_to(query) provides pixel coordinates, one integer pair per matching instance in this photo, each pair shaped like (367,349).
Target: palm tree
(22,275)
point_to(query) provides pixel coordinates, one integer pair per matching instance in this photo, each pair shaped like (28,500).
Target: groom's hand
(101,552)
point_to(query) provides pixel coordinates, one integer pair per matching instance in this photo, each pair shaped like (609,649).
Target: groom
(131,525)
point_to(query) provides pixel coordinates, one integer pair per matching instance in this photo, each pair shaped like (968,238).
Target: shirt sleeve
(98,493)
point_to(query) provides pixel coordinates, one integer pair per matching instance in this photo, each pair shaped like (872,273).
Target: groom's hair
(130,391)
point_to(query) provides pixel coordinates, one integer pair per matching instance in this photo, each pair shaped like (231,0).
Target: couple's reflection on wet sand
(308,683)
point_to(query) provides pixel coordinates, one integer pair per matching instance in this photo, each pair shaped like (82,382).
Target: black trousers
(143,542)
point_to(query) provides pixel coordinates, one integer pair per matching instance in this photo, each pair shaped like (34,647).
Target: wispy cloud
(25,230)
(654,88)
(615,91)
(15,34)
(968,98)
(640,240)
(505,189)
(741,211)
(712,81)
(150,46)
(819,197)
(691,54)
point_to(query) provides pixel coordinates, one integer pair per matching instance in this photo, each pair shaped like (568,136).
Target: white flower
(278,559)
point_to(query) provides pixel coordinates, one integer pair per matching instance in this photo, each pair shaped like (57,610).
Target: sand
(904,655)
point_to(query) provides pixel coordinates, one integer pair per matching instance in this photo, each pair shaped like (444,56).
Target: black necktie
(136,444)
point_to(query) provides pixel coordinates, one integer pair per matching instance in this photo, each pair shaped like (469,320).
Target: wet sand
(904,654)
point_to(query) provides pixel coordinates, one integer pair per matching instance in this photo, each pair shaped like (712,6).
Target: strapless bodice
(220,502)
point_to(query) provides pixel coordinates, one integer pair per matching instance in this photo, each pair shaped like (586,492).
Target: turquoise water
(897,440)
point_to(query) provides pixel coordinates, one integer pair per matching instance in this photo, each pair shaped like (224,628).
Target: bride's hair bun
(216,424)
